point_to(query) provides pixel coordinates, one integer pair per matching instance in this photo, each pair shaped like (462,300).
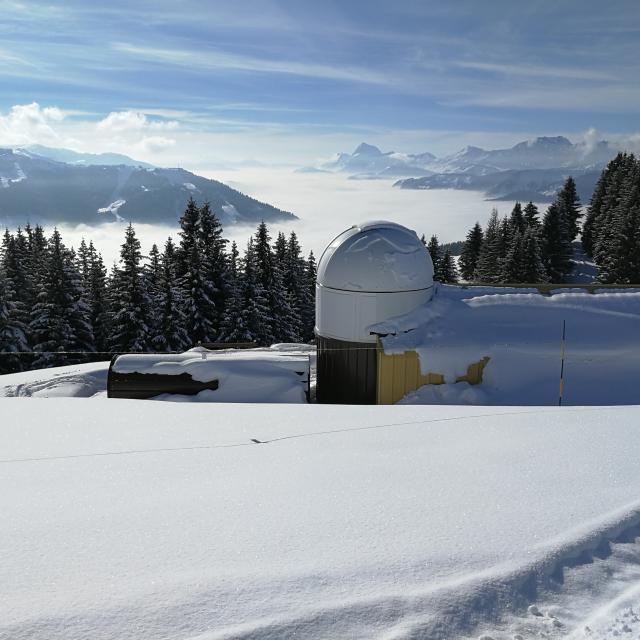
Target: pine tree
(293,268)
(96,288)
(151,274)
(435,252)
(15,259)
(82,260)
(229,330)
(517,221)
(534,270)
(13,339)
(169,332)
(60,329)
(449,269)
(280,248)
(596,207)
(617,248)
(214,263)
(471,252)
(129,300)
(248,315)
(309,298)
(610,233)
(36,261)
(282,324)
(194,272)
(568,202)
(556,244)
(513,268)
(506,236)
(531,215)
(523,263)
(489,265)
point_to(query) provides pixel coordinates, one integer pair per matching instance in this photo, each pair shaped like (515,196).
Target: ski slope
(132,519)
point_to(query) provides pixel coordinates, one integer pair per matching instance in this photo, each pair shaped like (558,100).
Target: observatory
(369,273)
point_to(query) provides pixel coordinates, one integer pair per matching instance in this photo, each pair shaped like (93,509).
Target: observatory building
(371,272)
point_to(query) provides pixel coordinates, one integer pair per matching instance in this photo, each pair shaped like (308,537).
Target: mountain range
(530,170)
(58,186)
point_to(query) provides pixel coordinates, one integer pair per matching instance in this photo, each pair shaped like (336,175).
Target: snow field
(161,520)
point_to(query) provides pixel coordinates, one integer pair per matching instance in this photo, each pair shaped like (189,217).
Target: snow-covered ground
(74,381)
(132,519)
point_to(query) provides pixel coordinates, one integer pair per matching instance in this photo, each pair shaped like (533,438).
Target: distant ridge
(74,157)
(48,191)
(532,169)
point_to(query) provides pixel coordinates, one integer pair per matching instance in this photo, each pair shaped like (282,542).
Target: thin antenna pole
(562,350)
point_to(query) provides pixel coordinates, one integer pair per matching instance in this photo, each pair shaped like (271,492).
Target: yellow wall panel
(399,374)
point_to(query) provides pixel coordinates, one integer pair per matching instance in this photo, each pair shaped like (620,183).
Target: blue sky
(294,80)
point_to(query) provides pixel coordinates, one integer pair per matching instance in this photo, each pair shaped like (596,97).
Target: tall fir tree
(60,328)
(13,331)
(449,269)
(556,244)
(531,213)
(169,331)
(309,297)
(471,252)
(568,202)
(198,292)
(281,321)
(97,300)
(130,302)
(214,262)
(517,221)
(534,270)
(248,316)
(489,265)
(433,246)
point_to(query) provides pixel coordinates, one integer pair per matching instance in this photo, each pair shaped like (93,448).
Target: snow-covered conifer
(433,246)
(471,252)
(129,300)
(449,269)
(60,329)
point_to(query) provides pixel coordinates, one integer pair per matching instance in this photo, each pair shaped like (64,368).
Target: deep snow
(520,330)
(145,520)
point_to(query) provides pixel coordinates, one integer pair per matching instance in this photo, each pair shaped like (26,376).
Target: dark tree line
(521,248)
(611,232)
(61,306)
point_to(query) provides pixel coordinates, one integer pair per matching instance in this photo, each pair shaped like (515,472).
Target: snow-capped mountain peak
(365,149)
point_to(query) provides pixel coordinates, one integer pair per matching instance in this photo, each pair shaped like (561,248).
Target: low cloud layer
(204,143)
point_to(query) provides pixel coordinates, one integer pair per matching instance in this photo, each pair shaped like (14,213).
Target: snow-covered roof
(520,331)
(376,256)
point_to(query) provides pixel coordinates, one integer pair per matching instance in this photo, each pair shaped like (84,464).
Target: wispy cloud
(535,71)
(222,60)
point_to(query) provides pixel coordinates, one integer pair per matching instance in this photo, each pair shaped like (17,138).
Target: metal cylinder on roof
(369,273)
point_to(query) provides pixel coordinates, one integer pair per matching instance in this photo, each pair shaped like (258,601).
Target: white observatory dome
(376,256)
(370,273)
